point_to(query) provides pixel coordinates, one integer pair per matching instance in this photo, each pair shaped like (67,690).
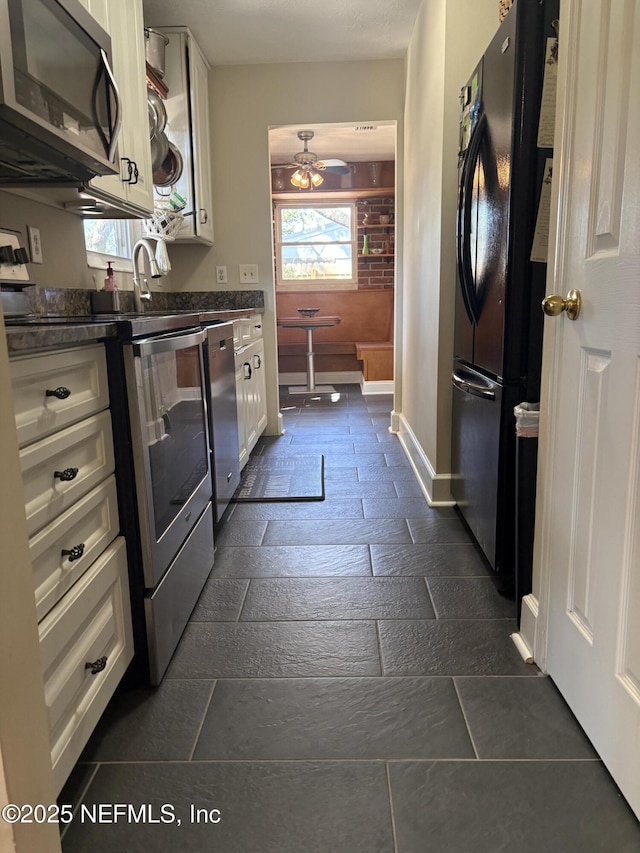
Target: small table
(309,324)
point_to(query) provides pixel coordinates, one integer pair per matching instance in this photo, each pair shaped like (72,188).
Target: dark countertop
(36,333)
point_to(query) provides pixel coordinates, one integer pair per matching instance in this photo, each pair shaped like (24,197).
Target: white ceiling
(250,32)
(350,142)
(239,32)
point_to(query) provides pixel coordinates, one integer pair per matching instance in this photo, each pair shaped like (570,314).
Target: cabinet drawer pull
(248,367)
(67,474)
(97,665)
(61,393)
(73,553)
(259,364)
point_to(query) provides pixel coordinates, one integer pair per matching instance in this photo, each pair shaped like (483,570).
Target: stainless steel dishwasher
(223,415)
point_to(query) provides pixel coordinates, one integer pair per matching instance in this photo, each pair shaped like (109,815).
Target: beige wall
(65,260)
(244,102)
(448,38)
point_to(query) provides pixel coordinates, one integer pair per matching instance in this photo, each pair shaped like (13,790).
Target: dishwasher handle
(469,386)
(169,342)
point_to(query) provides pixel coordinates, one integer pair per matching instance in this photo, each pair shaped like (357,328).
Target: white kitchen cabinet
(243,388)
(86,644)
(133,187)
(79,562)
(187,107)
(250,385)
(63,550)
(63,467)
(258,414)
(55,390)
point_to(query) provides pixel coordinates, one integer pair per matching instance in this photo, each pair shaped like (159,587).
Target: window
(110,239)
(316,246)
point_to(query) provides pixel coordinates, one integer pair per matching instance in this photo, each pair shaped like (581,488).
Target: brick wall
(376,272)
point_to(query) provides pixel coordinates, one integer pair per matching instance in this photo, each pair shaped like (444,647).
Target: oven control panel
(13,259)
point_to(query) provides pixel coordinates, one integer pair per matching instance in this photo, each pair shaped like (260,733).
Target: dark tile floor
(347,683)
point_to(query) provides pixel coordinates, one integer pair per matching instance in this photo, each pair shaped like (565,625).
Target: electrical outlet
(248,273)
(221,275)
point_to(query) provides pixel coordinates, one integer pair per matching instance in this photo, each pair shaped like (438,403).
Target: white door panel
(590,528)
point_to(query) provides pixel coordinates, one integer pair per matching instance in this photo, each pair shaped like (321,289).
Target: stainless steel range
(169,515)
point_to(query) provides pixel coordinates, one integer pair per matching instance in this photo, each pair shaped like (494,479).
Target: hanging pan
(157,105)
(159,150)
(170,170)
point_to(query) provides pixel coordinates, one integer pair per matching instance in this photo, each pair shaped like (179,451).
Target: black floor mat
(282,478)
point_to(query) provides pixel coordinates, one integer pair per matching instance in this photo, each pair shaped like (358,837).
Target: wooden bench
(377,360)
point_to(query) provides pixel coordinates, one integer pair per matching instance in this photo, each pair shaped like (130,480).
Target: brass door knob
(555,305)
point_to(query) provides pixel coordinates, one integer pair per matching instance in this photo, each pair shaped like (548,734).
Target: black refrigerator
(503,165)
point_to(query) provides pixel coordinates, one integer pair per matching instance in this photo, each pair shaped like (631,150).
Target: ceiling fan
(308,166)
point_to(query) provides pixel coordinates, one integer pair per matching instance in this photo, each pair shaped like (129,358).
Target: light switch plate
(248,273)
(35,245)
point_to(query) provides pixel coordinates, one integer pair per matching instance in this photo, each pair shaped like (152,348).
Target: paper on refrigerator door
(540,247)
(547,121)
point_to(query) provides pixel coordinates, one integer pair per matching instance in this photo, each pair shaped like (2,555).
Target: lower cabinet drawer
(90,623)
(52,390)
(85,530)
(58,470)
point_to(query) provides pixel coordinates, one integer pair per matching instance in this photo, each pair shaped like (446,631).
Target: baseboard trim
(435,487)
(381,386)
(529,621)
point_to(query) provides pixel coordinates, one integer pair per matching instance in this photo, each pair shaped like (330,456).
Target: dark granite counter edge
(22,339)
(68,301)
(29,338)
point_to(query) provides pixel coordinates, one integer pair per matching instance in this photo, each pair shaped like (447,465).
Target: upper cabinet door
(188,128)
(201,143)
(123,20)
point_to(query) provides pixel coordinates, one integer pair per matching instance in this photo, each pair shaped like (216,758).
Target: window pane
(316,262)
(315,224)
(108,236)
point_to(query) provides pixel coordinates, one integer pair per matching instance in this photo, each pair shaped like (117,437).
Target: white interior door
(590,528)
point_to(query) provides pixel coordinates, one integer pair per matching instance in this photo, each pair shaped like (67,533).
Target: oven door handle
(168,343)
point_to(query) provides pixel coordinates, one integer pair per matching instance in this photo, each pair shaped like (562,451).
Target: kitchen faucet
(140,293)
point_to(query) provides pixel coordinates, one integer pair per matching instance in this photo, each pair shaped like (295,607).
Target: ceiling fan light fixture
(300,179)
(316,179)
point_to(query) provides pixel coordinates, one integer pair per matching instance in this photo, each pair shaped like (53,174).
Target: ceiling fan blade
(335,167)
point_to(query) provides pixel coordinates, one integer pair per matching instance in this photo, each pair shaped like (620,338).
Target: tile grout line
(244,598)
(204,717)
(83,794)
(464,717)
(474,761)
(379,643)
(433,604)
(391,809)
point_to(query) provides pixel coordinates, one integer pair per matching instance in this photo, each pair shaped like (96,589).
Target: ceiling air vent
(365,128)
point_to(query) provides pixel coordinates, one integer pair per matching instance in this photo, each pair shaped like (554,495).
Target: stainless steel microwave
(60,112)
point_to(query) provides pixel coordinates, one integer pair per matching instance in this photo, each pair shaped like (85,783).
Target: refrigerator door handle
(463,247)
(468,386)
